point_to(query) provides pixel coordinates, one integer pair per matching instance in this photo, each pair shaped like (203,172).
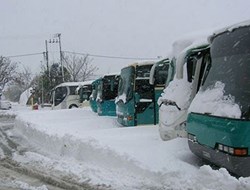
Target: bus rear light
(233,151)
(240,151)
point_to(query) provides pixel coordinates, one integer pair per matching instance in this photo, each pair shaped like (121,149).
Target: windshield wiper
(170,103)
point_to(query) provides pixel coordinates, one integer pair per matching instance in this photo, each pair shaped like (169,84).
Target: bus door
(161,74)
(144,102)
(59,96)
(143,96)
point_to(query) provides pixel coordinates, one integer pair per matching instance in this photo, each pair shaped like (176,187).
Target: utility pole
(60,47)
(47,56)
(48,70)
(58,35)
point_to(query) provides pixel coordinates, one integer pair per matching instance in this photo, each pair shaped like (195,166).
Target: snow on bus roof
(75,83)
(186,43)
(228,29)
(111,74)
(191,40)
(181,59)
(140,63)
(87,82)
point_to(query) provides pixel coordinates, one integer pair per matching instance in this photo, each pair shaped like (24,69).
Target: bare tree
(23,78)
(79,68)
(20,82)
(7,71)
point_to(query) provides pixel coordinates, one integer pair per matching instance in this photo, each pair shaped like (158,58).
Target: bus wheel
(73,106)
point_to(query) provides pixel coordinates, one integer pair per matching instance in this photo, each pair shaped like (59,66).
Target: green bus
(136,103)
(107,90)
(218,123)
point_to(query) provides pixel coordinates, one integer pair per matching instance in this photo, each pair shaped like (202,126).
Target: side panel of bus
(144,102)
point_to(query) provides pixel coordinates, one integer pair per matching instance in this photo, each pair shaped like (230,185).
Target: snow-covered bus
(64,96)
(188,57)
(218,123)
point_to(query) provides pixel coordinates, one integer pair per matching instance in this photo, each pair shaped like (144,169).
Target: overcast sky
(124,28)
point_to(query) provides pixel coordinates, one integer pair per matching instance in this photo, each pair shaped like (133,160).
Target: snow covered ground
(78,145)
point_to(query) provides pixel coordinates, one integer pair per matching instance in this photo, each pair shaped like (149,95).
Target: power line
(92,55)
(112,57)
(24,55)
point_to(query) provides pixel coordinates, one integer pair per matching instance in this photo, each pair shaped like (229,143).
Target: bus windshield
(109,87)
(60,94)
(93,95)
(143,71)
(230,64)
(85,92)
(126,82)
(161,74)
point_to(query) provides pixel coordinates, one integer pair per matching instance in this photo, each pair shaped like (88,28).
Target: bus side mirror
(152,75)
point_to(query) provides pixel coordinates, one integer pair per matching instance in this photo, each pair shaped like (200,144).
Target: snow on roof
(87,82)
(181,57)
(140,63)
(74,83)
(191,40)
(111,74)
(145,63)
(229,29)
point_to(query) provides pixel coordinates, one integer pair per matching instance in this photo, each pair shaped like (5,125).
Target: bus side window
(72,90)
(191,65)
(161,74)
(206,65)
(144,89)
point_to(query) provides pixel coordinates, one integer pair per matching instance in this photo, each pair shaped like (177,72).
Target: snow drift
(93,149)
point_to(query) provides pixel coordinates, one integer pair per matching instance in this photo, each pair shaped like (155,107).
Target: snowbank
(94,149)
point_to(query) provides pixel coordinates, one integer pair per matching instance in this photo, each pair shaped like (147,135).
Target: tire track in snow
(51,181)
(13,169)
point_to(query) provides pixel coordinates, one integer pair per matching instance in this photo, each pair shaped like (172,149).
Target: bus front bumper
(238,165)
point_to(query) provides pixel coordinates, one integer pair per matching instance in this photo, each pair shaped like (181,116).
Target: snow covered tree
(23,78)
(21,81)
(7,71)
